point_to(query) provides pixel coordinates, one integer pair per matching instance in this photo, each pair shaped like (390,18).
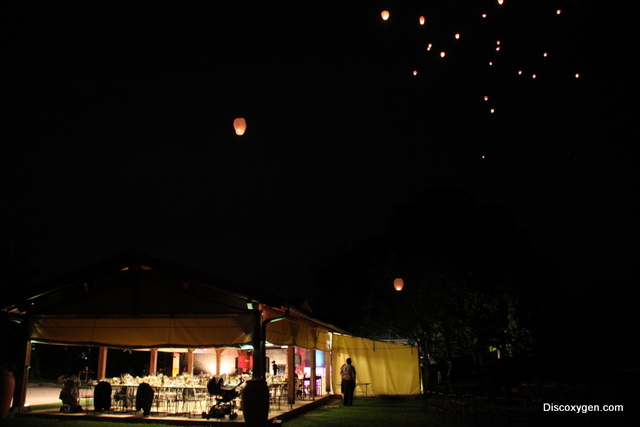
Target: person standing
(348,375)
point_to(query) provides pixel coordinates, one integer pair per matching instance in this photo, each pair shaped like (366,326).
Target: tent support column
(101,372)
(312,373)
(153,361)
(22,376)
(328,373)
(291,369)
(190,360)
(218,359)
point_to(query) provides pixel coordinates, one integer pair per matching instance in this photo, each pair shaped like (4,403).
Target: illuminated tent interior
(134,301)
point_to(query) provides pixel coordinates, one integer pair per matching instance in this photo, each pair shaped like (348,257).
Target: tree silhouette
(471,279)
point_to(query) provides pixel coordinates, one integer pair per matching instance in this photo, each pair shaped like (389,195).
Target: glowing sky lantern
(422,20)
(240,125)
(493,110)
(398,284)
(429,46)
(497,48)
(486,98)
(558,11)
(490,62)
(498,42)
(534,75)
(484,15)
(520,72)
(442,54)
(415,72)
(577,75)
(385,15)
(544,54)
(457,36)
(500,1)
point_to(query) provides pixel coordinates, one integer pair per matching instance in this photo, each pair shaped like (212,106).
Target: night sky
(117,130)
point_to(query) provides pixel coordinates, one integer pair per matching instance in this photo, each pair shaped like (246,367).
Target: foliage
(471,279)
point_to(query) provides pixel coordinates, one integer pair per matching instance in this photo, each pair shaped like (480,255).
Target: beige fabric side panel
(389,368)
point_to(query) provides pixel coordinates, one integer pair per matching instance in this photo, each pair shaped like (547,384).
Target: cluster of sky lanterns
(422,20)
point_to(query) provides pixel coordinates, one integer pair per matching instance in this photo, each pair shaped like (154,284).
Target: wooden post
(22,377)
(219,352)
(153,361)
(327,371)
(101,372)
(312,373)
(291,368)
(190,360)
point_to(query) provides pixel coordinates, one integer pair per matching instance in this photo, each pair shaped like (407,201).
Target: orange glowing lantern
(415,72)
(534,75)
(385,15)
(442,54)
(490,63)
(493,110)
(497,42)
(429,46)
(520,72)
(484,15)
(500,1)
(577,75)
(240,125)
(422,20)
(398,284)
(486,98)
(457,36)
(558,11)
(497,48)
(544,54)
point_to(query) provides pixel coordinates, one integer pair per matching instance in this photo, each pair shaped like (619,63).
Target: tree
(470,279)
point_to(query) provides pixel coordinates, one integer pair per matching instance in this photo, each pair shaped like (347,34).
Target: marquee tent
(135,301)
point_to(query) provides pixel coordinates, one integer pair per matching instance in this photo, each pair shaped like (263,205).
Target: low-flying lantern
(385,15)
(240,125)
(398,284)
(422,20)
(442,54)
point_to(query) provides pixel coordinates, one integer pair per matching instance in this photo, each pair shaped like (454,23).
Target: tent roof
(135,300)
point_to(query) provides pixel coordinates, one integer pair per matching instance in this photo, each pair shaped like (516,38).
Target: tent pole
(101,372)
(153,361)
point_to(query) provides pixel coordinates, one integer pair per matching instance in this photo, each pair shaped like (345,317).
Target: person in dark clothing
(348,375)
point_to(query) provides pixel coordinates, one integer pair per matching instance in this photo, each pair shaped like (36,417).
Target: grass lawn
(377,411)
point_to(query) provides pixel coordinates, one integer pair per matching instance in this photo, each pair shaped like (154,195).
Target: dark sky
(117,129)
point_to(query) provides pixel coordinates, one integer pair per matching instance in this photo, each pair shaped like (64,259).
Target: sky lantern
(520,72)
(534,75)
(398,284)
(429,46)
(558,11)
(497,42)
(240,125)
(577,75)
(385,15)
(484,15)
(442,54)
(490,62)
(497,48)
(500,1)
(486,98)
(493,110)
(422,20)
(544,54)
(415,72)
(457,36)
